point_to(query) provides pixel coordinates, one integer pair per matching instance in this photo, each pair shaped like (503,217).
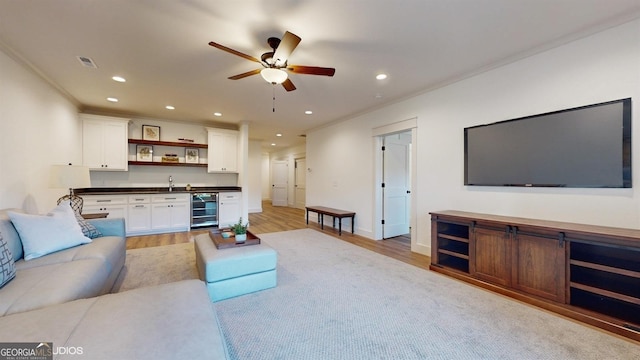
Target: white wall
(255,177)
(38,128)
(266,176)
(602,67)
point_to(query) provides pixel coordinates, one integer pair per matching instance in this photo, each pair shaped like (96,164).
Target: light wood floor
(273,219)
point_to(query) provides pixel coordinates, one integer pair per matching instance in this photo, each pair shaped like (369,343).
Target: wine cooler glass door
(204,209)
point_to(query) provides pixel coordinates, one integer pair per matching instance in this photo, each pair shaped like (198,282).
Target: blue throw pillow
(7,265)
(45,234)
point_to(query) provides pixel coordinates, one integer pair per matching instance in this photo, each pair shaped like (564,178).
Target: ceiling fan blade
(311,70)
(288,85)
(244,75)
(287,45)
(234,52)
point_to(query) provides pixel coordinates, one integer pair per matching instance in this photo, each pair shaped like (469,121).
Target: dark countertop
(153,190)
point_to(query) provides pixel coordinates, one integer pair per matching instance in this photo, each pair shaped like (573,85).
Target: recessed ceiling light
(273,144)
(112,99)
(119,79)
(217,114)
(381,76)
(308,112)
(169,107)
(278,134)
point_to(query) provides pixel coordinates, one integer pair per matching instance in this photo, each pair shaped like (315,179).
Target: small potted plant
(240,230)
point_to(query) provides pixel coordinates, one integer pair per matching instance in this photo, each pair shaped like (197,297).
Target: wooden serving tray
(222,243)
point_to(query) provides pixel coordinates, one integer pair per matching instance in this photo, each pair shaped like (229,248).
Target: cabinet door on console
(490,258)
(539,266)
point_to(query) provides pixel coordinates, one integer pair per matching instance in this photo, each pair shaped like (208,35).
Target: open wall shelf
(157,163)
(167,143)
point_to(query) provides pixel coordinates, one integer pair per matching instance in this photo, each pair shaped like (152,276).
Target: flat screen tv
(583,147)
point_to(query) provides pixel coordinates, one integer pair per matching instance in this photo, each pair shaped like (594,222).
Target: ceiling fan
(275,62)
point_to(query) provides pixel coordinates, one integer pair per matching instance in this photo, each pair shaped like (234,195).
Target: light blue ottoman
(236,271)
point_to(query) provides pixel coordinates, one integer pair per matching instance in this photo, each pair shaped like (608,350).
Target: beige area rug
(157,265)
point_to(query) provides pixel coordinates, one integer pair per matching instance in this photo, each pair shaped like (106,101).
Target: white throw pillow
(44,234)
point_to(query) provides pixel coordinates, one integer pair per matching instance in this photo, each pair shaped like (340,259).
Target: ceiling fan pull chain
(273,87)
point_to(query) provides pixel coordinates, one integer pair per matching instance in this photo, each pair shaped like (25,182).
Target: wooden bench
(334,213)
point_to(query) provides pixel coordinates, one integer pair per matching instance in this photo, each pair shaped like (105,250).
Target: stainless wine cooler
(204,209)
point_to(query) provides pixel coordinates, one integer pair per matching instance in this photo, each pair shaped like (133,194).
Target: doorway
(406,134)
(396,185)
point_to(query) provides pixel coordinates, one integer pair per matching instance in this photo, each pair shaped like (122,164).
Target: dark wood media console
(585,272)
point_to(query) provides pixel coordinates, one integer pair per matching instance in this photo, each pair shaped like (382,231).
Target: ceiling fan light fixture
(274,76)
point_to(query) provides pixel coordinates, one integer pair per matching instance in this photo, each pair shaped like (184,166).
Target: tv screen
(584,147)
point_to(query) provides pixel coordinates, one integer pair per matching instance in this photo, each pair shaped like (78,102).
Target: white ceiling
(161,48)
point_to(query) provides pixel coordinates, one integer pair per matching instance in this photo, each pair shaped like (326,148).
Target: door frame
(295,181)
(378,134)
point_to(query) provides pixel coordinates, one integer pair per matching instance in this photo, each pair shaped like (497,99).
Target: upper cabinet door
(104,143)
(223,150)
(92,147)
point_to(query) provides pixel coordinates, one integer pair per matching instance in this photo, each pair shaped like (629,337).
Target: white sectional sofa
(78,272)
(62,298)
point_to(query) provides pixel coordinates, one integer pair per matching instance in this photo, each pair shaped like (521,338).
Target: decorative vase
(241,238)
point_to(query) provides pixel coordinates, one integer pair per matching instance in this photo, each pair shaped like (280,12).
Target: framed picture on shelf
(144,153)
(151,132)
(191,155)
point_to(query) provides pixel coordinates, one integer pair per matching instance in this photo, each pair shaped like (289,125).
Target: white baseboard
(422,249)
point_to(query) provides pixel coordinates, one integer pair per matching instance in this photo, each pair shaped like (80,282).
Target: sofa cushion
(7,265)
(44,234)
(111,250)
(170,321)
(42,286)
(10,234)
(108,248)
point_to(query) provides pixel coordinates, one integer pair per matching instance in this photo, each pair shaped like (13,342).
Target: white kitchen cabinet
(143,213)
(138,214)
(229,208)
(170,212)
(114,205)
(222,151)
(104,142)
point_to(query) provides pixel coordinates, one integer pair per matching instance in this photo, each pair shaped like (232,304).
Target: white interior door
(300,186)
(397,185)
(279,173)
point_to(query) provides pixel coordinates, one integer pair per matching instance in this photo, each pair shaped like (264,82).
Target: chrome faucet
(171,186)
